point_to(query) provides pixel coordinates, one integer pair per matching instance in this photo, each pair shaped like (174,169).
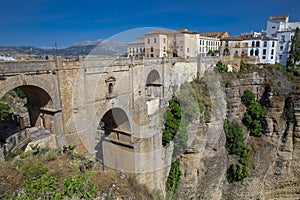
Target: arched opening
(226,52)
(110,88)
(153,84)
(112,136)
(29,106)
(175,53)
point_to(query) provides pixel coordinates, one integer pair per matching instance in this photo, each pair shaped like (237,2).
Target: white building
(279,27)
(250,47)
(210,42)
(261,46)
(136,49)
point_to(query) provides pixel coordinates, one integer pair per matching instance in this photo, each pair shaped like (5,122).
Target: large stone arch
(39,96)
(114,140)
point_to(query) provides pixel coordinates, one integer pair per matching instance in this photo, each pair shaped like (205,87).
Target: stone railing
(12,67)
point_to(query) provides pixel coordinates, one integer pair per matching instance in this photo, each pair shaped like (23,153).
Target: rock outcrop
(275,166)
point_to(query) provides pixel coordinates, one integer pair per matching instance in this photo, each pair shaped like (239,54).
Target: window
(164,40)
(272,52)
(253,43)
(283,38)
(273,44)
(281,48)
(148,40)
(273,27)
(188,50)
(110,88)
(264,57)
(152,55)
(272,57)
(251,52)
(265,43)
(264,51)
(257,43)
(280,56)
(164,49)
(154,40)
(256,52)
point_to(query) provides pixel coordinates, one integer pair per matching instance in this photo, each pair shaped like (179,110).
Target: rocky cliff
(275,166)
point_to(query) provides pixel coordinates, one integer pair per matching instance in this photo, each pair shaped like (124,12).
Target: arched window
(257,43)
(226,52)
(251,52)
(151,49)
(110,88)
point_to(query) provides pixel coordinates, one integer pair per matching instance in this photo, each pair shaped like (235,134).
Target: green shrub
(248,97)
(237,172)
(4,110)
(221,67)
(172,121)
(254,114)
(174,176)
(234,137)
(20,93)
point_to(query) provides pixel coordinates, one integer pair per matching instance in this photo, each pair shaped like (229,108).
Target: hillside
(81,48)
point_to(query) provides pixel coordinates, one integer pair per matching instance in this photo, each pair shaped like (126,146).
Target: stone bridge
(104,105)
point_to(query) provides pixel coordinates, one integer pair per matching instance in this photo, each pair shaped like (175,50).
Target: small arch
(110,88)
(226,52)
(175,53)
(153,78)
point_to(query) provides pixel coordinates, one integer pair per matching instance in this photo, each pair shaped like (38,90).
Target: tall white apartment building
(280,28)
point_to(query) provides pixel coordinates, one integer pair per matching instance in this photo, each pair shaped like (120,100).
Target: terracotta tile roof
(138,41)
(215,34)
(157,31)
(279,17)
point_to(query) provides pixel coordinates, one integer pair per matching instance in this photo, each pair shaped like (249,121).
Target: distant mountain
(97,47)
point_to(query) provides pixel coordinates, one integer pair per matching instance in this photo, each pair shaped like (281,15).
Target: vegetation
(254,114)
(235,145)
(20,93)
(174,177)
(213,52)
(295,49)
(221,67)
(52,174)
(234,138)
(4,110)
(172,122)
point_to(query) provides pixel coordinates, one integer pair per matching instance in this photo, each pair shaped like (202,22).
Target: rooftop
(215,34)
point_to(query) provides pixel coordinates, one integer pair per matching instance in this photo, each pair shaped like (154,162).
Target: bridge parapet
(26,66)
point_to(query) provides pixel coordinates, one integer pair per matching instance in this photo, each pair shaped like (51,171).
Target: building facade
(280,28)
(250,47)
(210,42)
(175,43)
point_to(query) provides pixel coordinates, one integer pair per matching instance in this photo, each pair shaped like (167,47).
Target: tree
(234,138)
(248,97)
(295,48)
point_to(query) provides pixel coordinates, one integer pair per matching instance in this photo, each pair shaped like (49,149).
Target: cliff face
(275,164)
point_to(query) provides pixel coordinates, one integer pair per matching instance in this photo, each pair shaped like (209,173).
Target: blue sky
(65,22)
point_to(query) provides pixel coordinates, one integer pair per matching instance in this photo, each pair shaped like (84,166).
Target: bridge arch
(40,102)
(114,139)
